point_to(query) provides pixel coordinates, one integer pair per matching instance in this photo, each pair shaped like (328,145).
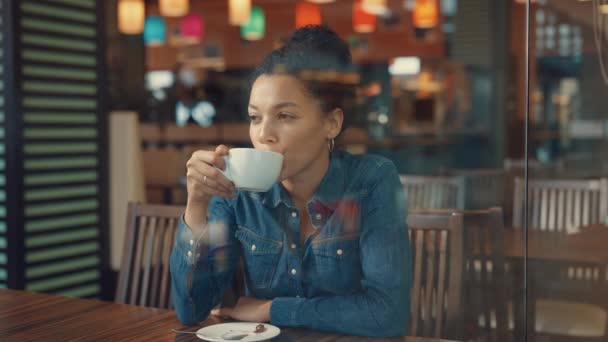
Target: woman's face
(286,119)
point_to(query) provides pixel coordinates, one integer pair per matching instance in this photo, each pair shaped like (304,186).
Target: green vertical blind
(3,238)
(59,53)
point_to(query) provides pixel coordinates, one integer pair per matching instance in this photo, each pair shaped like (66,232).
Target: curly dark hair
(316,56)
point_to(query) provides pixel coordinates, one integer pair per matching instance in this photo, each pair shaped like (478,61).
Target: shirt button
(253,247)
(293,246)
(294,214)
(339,251)
(293,271)
(318,216)
(191,242)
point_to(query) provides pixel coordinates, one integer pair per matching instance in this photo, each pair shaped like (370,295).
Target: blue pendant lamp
(155,31)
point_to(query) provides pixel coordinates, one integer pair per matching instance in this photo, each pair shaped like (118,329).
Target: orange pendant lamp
(131,16)
(426,14)
(307,13)
(363,22)
(173,8)
(239,12)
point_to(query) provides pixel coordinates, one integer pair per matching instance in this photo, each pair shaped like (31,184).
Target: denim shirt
(352,275)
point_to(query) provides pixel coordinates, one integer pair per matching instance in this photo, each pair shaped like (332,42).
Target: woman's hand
(247,309)
(205,180)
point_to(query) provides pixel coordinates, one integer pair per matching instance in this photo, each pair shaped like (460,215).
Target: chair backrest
(515,168)
(433,191)
(144,274)
(561,205)
(484,276)
(484,188)
(437,248)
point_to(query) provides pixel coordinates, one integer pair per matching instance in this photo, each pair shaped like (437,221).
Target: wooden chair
(434,191)
(484,276)
(566,299)
(561,205)
(515,168)
(144,275)
(484,188)
(437,250)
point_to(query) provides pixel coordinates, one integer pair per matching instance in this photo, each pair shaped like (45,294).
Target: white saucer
(223,332)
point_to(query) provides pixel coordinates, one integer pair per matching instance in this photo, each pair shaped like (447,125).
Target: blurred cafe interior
(491,111)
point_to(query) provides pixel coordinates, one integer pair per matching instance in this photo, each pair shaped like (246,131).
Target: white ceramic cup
(252,170)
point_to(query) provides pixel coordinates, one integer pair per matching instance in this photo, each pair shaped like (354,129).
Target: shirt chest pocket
(261,257)
(337,264)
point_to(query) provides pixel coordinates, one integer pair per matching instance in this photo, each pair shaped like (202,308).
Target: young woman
(326,247)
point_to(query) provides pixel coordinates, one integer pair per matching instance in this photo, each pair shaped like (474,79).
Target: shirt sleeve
(202,267)
(383,308)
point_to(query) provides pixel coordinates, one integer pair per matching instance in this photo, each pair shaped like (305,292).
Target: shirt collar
(329,193)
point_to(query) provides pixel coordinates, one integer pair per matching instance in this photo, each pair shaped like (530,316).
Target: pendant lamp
(363,22)
(255,27)
(192,27)
(376,7)
(239,11)
(155,31)
(307,13)
(131,15)
(173,8)
(426,14)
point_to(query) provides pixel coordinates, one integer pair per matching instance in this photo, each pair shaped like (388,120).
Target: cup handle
(226,171)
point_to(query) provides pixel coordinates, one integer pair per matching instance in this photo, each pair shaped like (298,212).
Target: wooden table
(26,316)
(587,246)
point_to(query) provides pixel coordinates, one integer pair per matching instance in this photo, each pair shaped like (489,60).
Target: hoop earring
(331,144)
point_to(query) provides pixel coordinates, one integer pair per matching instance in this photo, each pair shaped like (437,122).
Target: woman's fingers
(217,176)
(208,165)
(221,150)
(204,174)
(208,185)
(213,179)
(212,158)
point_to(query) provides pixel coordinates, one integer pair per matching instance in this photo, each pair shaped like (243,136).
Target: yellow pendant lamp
(131,16)
(239,12)
(376,7)
(173,8)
